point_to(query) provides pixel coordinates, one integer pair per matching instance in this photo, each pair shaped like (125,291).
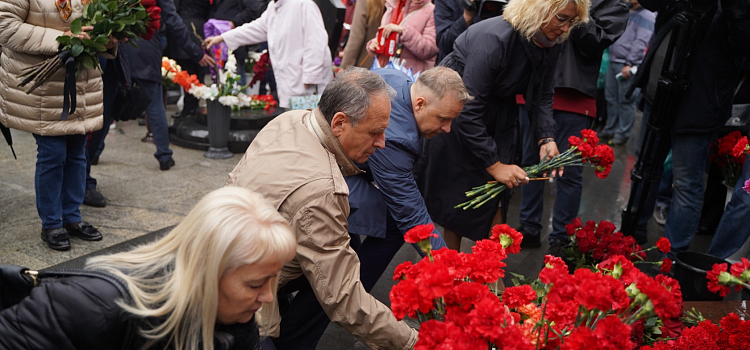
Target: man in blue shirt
(385,201)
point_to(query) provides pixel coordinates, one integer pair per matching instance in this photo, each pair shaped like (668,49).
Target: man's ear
(421,103)
(337,123)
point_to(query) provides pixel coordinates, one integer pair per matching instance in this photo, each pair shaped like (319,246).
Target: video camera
(485,8)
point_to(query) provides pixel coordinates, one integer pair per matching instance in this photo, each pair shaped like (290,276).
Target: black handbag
(130,101)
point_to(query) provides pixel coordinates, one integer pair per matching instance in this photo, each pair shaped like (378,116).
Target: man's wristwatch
(546,141)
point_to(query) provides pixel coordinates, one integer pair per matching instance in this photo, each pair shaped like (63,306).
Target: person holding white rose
(299,53)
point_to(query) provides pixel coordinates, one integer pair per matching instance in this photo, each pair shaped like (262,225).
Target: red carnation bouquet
(593,243)
(731,333)
(720,280)
(582,151)
(456,298)
(724,155)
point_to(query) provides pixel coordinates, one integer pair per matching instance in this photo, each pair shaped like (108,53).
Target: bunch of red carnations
(724,155)
(593,243)
(582,151)
(456,298)
(720,280)
(732,333)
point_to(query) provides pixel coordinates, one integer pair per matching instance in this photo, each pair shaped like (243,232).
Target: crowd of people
(319,204)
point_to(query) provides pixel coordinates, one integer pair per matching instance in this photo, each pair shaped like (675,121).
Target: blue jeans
(157,118)
(689,157)
(569,186)
(60,179)
(733,229)
(620,110)
(664,195)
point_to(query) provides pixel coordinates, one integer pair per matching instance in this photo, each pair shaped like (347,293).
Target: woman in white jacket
(297,46)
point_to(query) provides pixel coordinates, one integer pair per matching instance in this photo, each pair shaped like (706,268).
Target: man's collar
(323,129)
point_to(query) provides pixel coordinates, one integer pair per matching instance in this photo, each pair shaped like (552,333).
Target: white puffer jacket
(28,29)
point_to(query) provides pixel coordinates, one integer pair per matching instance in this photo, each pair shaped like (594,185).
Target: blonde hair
(375,9)
(176,279)
(529,16)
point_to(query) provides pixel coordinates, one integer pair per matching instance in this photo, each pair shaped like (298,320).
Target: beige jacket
(355,52)
(304,179)
(28,29)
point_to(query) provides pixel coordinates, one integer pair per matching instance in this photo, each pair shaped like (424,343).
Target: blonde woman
(498,59)
(365,23)
(207,278)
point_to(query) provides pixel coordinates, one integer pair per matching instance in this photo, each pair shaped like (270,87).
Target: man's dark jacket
(578,65)
(714,72)
(146,59)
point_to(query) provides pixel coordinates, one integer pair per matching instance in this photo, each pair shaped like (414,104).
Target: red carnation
(514,297)
(590,136)
(509,238)
(420,232)
(666,265)
(739,267)
(572,227)
(401,270)
(663,245)
(713,280)
(740,148)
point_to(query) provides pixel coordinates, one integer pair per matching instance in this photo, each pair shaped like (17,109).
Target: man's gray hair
(350,93)
(443,80)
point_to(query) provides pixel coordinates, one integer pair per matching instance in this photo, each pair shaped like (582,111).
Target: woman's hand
(510,175)
(82,35)
(372,45)
(207,61)
(214,40)
(112,43)
(550,150)
(390,28)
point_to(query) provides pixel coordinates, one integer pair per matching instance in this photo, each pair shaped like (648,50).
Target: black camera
(485,8)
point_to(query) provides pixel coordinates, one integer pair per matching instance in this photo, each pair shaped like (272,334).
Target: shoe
(603,136)
(149,138)
(93,198)
(142,121)
(56,238)
(84,231)
(555,248)
(95,160)
(660,214)
(167,164)
(616,141)
(530,240)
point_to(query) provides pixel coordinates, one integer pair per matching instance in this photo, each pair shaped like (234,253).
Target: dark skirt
(447,170)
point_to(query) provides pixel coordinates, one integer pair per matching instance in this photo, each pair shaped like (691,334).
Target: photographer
(707,102)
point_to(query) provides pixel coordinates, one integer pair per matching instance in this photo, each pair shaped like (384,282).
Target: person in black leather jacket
(205,280)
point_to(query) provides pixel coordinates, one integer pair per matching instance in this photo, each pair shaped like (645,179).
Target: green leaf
(87,61)
(101,39)
(99,47)
(63,39)
(112,6)
(75,26)
(90,10)
(76,50)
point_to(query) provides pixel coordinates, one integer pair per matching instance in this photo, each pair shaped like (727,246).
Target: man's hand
(550,150)
(625,72)
(214,40)
(469,16)
(207,61)
(510,175)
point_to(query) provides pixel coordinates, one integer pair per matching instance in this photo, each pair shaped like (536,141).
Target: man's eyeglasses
(562,21)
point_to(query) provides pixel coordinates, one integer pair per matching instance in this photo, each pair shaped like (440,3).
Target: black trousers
(190,102)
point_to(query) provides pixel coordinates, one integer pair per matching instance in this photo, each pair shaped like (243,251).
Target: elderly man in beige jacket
(298,162)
